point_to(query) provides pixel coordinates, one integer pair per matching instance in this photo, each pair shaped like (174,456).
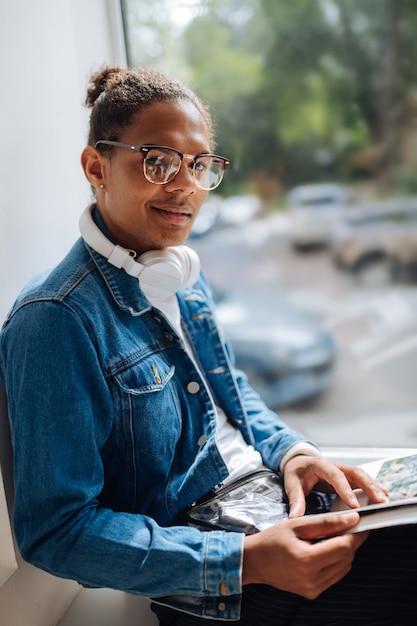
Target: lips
(174,215)
(176,211)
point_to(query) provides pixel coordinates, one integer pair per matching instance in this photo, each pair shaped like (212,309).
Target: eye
(200,167)
(157,161)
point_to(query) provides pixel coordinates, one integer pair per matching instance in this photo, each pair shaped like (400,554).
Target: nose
(183,179)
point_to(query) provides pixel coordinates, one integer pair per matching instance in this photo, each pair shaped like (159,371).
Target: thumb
(296,499)
(327,525)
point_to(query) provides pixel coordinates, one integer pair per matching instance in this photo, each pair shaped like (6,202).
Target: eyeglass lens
(162,164)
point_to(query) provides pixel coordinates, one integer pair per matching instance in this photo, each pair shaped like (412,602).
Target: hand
(286,557)
(304,473)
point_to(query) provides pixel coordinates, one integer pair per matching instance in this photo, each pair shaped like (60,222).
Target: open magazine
(399,476)
(257,500)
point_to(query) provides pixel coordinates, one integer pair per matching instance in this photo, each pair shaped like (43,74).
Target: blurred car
(378,243)
(403,256)
(314,211)
(286,355)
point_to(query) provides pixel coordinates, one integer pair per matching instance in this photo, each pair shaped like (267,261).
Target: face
(140,215)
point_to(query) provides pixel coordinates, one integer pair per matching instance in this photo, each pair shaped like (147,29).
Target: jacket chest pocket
(148,406)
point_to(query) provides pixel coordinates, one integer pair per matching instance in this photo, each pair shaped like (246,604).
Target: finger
(312,528)
(296,496)
(345,555)
(322,475)
(332,574)
(360,538)
(336,477)
(360,479)
(335,556)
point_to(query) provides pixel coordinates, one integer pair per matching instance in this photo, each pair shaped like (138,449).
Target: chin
(178,239)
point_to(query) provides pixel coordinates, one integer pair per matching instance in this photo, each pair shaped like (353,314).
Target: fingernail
(354,500)
(350,516)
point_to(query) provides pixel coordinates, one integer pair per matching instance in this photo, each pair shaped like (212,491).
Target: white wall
(48,49)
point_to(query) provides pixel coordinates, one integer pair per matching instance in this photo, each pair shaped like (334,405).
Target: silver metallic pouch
(252,503)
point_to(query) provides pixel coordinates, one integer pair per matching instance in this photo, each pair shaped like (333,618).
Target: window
(301,95)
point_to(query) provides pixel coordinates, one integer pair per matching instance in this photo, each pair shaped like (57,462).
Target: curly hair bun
(116,94)
(103,80)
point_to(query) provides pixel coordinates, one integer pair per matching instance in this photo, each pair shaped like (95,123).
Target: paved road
(373,400)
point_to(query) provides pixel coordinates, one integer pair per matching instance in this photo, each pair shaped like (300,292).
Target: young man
(126,406)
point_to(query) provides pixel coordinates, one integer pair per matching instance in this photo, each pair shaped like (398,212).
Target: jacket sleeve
(61,413)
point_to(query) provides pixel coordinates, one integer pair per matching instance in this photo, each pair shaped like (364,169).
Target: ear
(93,164)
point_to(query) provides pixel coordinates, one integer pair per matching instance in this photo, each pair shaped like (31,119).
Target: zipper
(221,489)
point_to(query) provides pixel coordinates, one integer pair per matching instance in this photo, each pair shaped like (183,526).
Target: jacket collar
(125,289)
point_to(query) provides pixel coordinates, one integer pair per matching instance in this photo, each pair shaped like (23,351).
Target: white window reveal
(8,563)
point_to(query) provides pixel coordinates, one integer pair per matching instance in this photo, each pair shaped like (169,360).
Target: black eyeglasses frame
(146,148)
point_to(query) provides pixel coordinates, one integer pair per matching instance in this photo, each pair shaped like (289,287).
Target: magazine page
(399,476)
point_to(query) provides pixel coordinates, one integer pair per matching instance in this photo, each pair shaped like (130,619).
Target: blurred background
(311,242)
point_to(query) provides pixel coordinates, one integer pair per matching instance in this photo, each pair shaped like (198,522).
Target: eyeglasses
(161,164)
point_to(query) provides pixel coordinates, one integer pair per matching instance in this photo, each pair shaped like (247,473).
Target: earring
(101,186)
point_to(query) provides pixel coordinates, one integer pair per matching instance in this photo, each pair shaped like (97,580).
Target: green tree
(300,90)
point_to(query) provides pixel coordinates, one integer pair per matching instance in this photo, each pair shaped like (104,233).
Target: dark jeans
(381,589)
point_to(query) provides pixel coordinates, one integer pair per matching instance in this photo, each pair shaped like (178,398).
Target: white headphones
(161,273)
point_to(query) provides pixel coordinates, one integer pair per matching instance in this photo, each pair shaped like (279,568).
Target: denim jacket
(114,433)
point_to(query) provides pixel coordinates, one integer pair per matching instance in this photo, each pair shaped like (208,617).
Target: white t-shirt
(238,456)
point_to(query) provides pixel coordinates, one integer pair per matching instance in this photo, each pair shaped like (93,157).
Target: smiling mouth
(175,210)
(174,214)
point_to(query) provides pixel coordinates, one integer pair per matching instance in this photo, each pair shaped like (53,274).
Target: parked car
(378,242)
(314,212)
(403,256)
(287,356)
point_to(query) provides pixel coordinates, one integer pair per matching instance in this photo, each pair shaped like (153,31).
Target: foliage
(301,90)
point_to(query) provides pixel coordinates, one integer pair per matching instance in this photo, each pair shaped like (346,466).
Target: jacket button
(193,387)
(222,606)
(202,440)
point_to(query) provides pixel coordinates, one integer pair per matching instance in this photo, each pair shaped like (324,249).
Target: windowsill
(8,564)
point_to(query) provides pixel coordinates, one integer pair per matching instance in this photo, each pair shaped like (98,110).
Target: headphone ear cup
(162,274)
(190,264)
(167,271)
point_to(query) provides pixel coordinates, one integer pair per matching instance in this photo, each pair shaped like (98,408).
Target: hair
(116,94)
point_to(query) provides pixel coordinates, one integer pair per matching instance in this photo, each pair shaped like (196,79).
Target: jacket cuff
(301,447)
